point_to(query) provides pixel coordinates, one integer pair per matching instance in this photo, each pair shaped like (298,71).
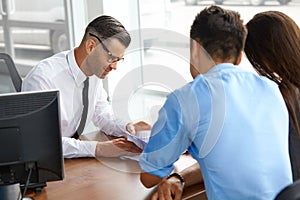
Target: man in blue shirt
(232,121)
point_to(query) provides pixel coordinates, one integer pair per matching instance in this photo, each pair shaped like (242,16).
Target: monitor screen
(30,138)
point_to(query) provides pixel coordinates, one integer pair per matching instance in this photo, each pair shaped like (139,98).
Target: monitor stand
(36,187)
(12,192)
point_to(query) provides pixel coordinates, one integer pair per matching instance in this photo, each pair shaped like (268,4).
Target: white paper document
(141,138)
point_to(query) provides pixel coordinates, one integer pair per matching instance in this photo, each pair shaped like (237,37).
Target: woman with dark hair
(273,48)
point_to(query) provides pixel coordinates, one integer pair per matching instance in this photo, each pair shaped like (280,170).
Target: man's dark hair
(221,32)
(108,27)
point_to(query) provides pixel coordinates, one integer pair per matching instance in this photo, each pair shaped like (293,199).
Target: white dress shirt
(62,72)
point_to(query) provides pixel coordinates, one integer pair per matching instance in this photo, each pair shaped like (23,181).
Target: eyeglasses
(111,58)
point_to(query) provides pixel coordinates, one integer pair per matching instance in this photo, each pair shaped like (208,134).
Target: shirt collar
(221,66)
(77,74)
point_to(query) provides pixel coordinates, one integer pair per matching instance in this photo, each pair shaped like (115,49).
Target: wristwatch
(177,176)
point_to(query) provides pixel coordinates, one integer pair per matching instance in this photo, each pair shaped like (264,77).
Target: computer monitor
(30,139)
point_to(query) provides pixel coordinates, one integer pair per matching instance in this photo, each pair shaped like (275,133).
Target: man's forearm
(192,175)
(149,180)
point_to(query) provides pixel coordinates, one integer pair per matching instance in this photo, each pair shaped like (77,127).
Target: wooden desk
(103,179)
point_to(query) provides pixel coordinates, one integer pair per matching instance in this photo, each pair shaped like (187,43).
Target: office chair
(290,192)
(10,79)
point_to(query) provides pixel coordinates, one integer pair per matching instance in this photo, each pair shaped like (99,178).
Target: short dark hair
(221,32)
(108,27)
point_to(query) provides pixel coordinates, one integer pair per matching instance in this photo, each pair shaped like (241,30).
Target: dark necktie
(85,101)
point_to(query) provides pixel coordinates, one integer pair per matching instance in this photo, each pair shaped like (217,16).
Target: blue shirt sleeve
(170,135)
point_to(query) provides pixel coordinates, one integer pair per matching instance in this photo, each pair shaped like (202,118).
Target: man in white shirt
(102,46)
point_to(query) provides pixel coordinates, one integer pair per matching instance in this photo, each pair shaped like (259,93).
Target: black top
(294,150)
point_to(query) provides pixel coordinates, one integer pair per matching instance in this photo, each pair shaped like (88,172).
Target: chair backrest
(10,79)
(291,192)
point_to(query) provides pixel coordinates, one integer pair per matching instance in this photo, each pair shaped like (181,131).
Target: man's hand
(168,189)
(171,188)
(139,126)
(116,148)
